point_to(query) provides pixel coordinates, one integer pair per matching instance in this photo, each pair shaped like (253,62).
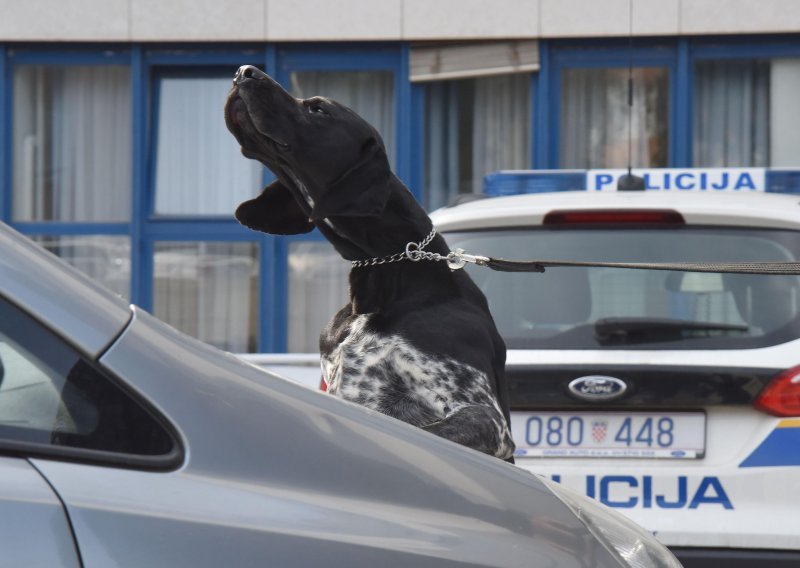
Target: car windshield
(601,308)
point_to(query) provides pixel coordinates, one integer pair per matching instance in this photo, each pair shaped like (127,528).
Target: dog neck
(375,289)
(402,221)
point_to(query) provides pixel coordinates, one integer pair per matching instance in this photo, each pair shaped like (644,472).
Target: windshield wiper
(640,330)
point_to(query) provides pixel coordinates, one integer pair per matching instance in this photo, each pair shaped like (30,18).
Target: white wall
(301,20)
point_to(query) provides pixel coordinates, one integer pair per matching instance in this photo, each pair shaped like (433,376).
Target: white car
(673,397)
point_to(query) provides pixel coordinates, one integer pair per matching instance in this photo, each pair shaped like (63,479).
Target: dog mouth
(240,123)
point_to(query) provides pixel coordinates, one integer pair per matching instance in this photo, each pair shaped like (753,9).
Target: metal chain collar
(416,251)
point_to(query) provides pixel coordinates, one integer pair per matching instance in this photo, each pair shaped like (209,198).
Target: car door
(34,528)
(57,407)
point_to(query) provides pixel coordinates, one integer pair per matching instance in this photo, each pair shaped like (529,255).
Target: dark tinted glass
(51,395)
(576,308)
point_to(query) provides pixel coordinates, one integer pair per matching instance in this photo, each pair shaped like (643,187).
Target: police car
(673,397)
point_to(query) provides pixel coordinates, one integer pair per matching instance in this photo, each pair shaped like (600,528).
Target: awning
(443,61)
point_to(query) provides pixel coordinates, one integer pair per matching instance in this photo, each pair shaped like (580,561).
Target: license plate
(671,435)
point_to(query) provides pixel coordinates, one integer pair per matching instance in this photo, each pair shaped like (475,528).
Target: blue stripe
(541,109)
(140,273)
(681,139)
(780,448)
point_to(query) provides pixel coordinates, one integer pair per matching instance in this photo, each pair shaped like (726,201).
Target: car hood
(251,428)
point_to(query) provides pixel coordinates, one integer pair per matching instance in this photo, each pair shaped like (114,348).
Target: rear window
(56,403)
(599,308)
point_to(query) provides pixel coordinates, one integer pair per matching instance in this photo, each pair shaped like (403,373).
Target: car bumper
(727,500)
(736,558)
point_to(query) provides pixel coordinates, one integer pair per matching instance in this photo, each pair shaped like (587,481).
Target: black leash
(775,268)
(458,259)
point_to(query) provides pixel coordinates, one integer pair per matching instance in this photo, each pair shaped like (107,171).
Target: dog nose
(246,72)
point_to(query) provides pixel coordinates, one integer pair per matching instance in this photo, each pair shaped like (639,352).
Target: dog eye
(317,109)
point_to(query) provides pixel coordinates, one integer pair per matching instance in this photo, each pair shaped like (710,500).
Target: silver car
(125,443)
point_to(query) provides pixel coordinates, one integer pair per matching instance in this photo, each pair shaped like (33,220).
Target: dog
(416,340)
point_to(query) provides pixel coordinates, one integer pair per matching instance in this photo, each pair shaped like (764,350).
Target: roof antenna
(630,182)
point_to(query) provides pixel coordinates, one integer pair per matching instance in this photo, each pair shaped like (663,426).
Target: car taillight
(613,216)
(781,397)
(323,386)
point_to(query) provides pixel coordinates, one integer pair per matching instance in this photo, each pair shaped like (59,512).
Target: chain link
(413,252)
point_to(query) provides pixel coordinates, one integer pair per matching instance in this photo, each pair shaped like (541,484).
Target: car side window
(53,397)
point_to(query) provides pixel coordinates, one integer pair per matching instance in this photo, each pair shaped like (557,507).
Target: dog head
(328,160)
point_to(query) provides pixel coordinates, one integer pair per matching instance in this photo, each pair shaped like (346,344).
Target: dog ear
(362,191)
(275,211)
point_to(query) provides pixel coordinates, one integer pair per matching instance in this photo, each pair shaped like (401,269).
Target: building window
(199,166)
(209,290)
(318,288)
(72,143)
(594,118)
(746,113)
(369,93)
(474,127)
(106,259)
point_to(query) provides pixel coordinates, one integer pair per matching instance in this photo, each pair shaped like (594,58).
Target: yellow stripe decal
(790,423)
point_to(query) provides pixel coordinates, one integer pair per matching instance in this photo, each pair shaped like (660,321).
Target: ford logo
(598,387)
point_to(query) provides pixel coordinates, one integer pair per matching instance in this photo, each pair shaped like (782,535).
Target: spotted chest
(387,374)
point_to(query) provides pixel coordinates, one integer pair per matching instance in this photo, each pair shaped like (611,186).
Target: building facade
(114,153)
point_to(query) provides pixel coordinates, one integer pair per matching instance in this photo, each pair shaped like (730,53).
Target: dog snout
(246,72)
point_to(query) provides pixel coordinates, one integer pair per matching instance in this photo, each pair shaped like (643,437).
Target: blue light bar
(783,181)
(514,182)
(675,180)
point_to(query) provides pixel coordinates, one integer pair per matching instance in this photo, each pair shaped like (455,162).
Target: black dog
(416,341)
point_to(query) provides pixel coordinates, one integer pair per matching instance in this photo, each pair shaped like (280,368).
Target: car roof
(80,310)
(736,209)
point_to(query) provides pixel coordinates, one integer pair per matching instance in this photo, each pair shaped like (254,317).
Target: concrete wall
(303,20)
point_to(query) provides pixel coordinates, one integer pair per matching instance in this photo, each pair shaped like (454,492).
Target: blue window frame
(470,126)
(540,117)
(12,56)
(76,237)
(731,50)
(566,55)
(151,66)
(679,55)
(148,63)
